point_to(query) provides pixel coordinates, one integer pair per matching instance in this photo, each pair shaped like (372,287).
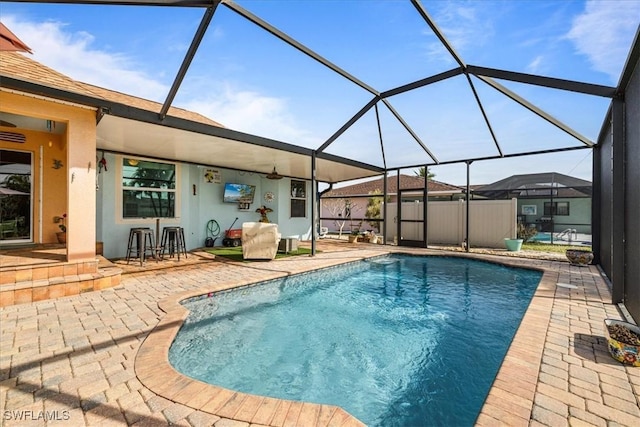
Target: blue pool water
(395,341)
(542,237)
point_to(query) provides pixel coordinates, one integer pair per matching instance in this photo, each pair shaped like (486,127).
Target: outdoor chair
(260,240)
(9,228)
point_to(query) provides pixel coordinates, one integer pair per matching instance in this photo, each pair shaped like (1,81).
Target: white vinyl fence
(490,222)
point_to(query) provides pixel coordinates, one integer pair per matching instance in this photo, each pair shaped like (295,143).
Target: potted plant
(62,234)
(513,245)
(579,257)
(524,233)
(355,233)
(623,340)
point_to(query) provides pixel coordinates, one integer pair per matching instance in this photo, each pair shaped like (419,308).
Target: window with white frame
(556,208)
(148,189)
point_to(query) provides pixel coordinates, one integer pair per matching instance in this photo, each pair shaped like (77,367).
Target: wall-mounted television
(238,193)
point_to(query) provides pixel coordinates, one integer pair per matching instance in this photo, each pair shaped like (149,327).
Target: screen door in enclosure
(411,223)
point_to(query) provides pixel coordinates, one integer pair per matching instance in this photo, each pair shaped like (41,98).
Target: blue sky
(250,81)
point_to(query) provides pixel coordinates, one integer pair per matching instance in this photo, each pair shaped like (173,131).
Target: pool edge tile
(523,357)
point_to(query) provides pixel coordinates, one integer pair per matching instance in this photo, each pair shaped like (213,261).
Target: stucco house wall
(193,211)
(64,190)
(579,217)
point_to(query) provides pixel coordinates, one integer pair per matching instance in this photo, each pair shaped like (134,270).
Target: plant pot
(62,237)
(513,245)
(579,256)
(353,238)
(624,352)
(373,239)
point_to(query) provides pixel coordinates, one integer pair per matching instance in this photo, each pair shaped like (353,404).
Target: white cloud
(535,65)
(251,112)
(72,54)
(604,31)
(462,26)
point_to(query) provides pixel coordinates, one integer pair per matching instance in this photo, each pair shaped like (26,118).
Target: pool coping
(518,373)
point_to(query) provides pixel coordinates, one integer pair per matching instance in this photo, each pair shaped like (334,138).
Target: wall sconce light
(132,162)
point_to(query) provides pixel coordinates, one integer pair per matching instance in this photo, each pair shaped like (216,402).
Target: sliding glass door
(15,196)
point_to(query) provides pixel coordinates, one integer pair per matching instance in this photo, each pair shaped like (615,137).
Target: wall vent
(12,137)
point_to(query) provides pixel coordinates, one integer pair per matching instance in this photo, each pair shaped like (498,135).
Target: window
(148,189)
(298,199)
(558,208)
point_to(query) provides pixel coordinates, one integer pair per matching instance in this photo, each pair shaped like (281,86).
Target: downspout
(326,190)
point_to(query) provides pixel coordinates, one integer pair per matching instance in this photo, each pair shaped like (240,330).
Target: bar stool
(140,242)
(173,241)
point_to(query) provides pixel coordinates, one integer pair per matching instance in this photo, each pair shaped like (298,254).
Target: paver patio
(81,359)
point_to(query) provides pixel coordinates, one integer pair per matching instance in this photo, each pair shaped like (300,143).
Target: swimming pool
(542,236)
(396,341)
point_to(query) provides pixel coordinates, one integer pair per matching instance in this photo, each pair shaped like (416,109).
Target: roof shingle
(18,66)
(407,182)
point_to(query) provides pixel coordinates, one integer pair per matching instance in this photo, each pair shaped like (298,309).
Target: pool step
(29,283)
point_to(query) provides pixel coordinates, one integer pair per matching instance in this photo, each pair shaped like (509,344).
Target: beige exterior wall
(53,180)
(69,189)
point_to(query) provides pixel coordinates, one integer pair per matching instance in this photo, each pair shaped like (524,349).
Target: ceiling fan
(274,174)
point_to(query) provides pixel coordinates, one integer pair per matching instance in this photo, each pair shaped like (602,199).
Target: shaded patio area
(79,358)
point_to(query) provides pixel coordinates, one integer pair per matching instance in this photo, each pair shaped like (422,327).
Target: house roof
(11,42)
(537,185)
(134,126)
(536,179)
(407,182)
(18,65)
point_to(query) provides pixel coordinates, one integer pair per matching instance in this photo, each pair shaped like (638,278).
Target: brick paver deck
(81,359)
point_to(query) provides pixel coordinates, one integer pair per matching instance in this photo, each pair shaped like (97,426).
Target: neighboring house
(53,166)
(552,202)
(348,204)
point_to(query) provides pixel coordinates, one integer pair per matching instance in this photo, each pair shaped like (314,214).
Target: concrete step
(28,283)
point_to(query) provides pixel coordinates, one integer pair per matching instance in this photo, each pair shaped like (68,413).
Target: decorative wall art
(212,176)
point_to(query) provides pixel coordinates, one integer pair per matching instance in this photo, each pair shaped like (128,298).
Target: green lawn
(545,247)
(235,254)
